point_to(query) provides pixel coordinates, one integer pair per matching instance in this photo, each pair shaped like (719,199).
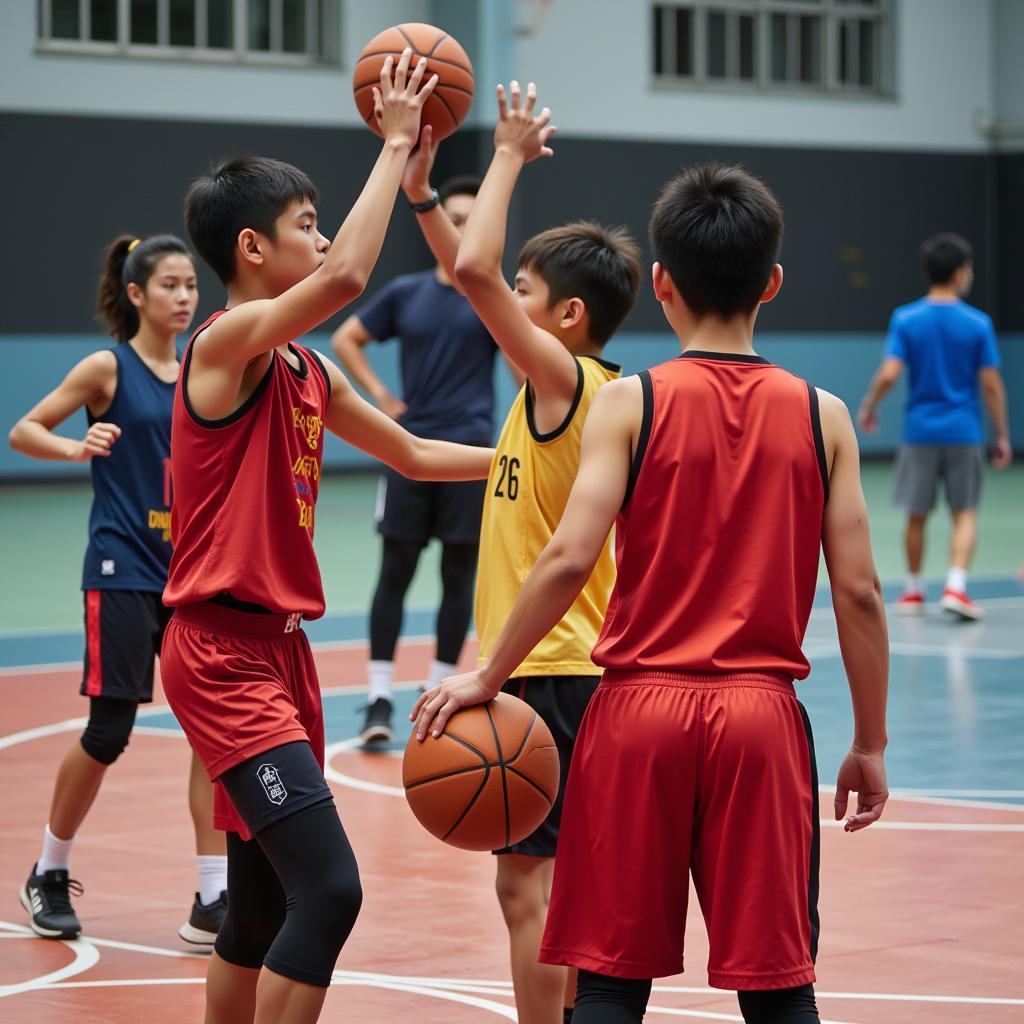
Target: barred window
(796,45)
(262,31)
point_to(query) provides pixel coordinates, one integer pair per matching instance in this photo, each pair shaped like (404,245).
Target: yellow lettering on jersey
(312,426)
(160,519)
(305,514)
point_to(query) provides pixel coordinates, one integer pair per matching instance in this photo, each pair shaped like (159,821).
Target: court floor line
(430,984)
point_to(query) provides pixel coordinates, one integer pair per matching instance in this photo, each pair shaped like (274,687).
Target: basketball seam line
(450,774)
(469,806)
(440,85)
(436,45)
(504,779)
(526,778)
(526,736)
(391,53)
(451,113)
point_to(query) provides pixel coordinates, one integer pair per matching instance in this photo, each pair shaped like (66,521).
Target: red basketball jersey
(717,543)
(245,488)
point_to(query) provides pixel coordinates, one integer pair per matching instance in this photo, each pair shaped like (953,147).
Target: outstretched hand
(432,711)
(416,179)
(862,773)
(398,100)
(518,131)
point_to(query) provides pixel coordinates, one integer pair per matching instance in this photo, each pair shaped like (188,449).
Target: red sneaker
(910,603)
(957,602)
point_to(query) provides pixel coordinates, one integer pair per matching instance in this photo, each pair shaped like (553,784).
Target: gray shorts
(919,467)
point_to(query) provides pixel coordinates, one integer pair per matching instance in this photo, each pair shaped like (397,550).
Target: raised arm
(348,343)
(519,138)
(90,383)
(440,233)
(354,420)
(860,616)
(994,393)
(565,565)
(254,328)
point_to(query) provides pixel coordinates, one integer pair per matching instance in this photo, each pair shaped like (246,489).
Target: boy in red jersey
(724,475)
(246,451)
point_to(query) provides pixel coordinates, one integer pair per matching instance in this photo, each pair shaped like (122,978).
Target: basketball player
(147,296)
(447,360)
(249,415)
(949,349)
(573,288)
(724,475)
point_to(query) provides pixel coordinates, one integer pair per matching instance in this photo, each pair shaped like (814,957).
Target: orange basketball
(447,106)
(488,780)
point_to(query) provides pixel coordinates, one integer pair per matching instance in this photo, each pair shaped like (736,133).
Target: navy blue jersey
(447,357)
(130,523)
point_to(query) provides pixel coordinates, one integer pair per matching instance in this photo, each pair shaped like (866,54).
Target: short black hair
(584,260)
(241,192)
(461,185)
(944,255)
(717,230)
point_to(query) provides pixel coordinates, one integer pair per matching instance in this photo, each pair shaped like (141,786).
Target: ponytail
(129,260)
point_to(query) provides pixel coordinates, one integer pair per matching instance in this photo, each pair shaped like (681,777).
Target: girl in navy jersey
(146,297)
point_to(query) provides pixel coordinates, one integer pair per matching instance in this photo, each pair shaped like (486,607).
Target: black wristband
(428,204)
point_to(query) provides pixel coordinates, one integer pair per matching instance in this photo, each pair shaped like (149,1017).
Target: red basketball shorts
(675,774)
(239,684)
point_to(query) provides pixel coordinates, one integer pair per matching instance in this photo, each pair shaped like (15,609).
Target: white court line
(23,931)
(86,956)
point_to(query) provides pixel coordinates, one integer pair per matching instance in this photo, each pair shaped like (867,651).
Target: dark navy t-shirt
(447,357)
(944,345)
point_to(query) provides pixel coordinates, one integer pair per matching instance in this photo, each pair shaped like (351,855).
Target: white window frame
(831,14)
(322,40)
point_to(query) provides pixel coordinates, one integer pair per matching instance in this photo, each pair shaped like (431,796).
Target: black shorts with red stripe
(123,633)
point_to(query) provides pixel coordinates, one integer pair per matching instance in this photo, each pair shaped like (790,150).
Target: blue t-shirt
(447,357)
(944,345)
(130,522)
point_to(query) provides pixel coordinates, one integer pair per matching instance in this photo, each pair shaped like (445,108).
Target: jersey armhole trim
(234,417)
(564,425)
(647,387)
(318,359)
(819,441)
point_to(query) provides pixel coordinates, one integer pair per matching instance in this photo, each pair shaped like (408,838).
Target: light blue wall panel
(840,363)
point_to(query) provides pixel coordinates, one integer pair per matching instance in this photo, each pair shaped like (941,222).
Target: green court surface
(43,535)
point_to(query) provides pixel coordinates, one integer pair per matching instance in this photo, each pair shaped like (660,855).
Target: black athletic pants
(398,566)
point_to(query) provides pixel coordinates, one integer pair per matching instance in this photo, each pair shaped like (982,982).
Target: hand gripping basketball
(489,779)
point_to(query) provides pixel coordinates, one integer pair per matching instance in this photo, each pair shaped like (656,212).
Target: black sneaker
(47,899)
(377,724)
(205,920)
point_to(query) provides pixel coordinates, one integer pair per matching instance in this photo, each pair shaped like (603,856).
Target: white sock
(212,870)
(380,675)
(56,852)
(440,670)
(956,579)
(915,584)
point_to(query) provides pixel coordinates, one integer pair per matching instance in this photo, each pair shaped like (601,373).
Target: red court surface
(920,918)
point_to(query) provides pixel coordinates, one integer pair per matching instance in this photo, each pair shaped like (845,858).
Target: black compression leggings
(398,566)
(293,896)
(601,999)
(111,720)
